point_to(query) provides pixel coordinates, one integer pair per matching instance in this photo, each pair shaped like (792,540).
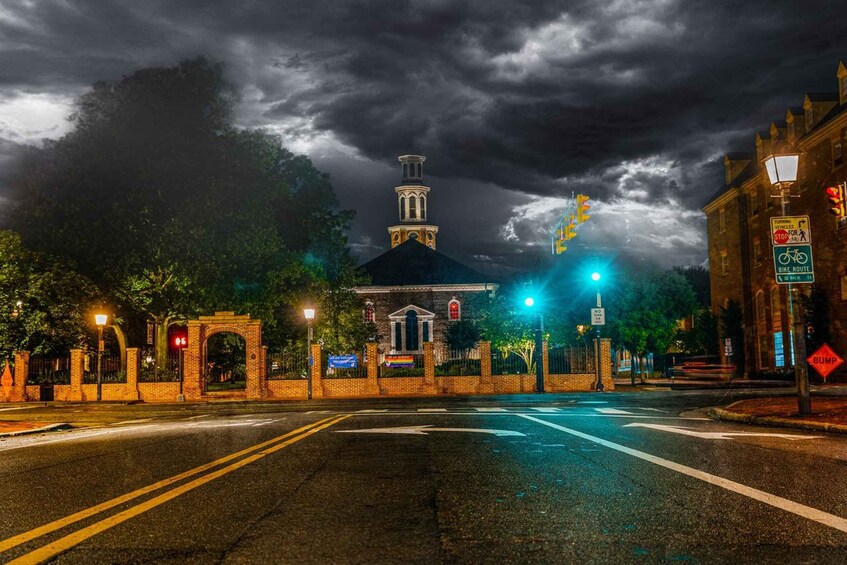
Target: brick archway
(199,332)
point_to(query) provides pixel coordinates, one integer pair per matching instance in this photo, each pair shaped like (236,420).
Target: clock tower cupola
(412,205)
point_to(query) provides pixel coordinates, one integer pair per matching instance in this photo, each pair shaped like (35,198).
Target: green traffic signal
(529,301)
(595,276)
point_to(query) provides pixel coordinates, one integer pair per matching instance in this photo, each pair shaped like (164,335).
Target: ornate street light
(782,173)
(309,314)
(100,320)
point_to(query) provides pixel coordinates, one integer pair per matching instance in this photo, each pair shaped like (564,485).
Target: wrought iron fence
(287,364)
(509,363)
(401,365)
(360,371)
(456,362)
(112,371)
(577,359)
(44,370)
(151,372)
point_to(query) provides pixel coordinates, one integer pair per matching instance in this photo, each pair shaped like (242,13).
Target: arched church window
(413,204)
(370,314)
(454,310)
(420,173)
(406,170)
(411,330)
(423,207)
(402,207)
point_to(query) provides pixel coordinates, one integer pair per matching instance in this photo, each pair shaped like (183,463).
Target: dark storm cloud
(515,105)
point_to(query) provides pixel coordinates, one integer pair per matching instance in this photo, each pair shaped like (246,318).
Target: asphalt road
(608,478)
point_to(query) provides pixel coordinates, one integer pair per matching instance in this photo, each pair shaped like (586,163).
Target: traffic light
(595,276)
(529,301)
(582,207)
(836,200)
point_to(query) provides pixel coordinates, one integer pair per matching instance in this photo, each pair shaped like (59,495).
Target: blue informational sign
(793,264)
(779,352)
(343,362)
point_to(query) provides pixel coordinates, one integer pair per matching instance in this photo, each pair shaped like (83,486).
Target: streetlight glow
(595,276)
(529,301)
(100,319)
(309,313)
(782,168)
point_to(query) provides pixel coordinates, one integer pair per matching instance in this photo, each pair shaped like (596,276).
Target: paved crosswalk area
(582,407)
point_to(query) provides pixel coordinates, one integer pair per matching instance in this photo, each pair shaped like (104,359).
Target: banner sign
(400,361)
(343,362)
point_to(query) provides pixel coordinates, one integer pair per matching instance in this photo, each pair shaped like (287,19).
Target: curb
(47,428)
(774,421)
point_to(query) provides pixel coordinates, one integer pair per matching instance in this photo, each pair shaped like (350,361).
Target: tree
(509,330)
(341,325)
(173,211)
(462,336)
(44,303)
(645,311)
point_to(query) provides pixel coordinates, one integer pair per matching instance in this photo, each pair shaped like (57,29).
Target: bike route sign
(793,264)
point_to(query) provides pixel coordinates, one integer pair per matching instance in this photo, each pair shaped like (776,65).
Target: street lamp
(782,173)
(309,314)
(595,276)
(529,302)
(100,320)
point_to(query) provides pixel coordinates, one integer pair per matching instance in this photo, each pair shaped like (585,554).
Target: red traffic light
(836,200)
(180,341)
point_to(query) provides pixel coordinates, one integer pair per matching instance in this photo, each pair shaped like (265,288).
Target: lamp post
(309,314)
(100,320)
(595,276)
(782,173)
(529,302)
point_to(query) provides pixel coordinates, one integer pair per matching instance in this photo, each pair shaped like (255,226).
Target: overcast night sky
(515,105)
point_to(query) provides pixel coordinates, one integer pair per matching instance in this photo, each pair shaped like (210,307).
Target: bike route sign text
(793,264)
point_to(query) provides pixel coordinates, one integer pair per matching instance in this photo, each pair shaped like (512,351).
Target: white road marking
(490,409)
(423,430)
(808,512)
(432,410)
(19,408)
(197,417)
(371,411)
(545,409)
(612,411)
(140,421)
(593,402)
(266,422)
(318,412)
(717,435)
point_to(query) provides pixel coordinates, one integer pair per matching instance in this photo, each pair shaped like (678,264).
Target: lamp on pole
(309,314)
(529,302)
(100,320)
(595,276)
(782,173)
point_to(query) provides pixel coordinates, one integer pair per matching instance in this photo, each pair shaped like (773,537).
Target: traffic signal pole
(539,354)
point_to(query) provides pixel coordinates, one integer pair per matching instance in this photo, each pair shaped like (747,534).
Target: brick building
(739,237)
(417,291)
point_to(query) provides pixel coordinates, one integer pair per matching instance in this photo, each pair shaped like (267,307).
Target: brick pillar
(373,369)
(133,364)
(486,383)
(429,386)
(77,368)
(603,352)
(6,383)
(192,373)
(545,361)
(263,372)
(19,377)
(315,370)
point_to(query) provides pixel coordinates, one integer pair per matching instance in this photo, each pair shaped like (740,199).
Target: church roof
(413,263)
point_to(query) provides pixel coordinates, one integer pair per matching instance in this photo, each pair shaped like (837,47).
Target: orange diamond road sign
(824,360)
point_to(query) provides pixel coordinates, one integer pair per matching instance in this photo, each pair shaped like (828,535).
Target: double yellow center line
(243,457)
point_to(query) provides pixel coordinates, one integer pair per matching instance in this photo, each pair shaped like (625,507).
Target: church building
(416,292)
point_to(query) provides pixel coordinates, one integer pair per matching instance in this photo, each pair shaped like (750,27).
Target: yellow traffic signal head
(582,207)
(836,200)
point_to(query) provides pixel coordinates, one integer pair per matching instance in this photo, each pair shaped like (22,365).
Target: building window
(837,154)
(454,310)
(757,251)
(423,208)
(413,204)
(776,310)
(426,336)
(370,314)
(398,336)
(402,207)
(722,220)
(411,330)
(760,307)
(724,263)
(754,202)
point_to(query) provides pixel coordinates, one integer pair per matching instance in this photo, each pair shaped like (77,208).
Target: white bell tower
(412,205)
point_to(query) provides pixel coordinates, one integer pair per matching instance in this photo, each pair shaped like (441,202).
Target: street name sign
(824,360)
(791,230)
(598,316)
(793,264)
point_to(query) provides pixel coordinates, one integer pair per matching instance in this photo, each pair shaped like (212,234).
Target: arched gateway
(199,332)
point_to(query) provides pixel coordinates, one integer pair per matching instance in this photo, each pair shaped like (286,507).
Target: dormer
(816,105)
(842,83)
(763,146)
(734,164)
(778,131)
(795,124)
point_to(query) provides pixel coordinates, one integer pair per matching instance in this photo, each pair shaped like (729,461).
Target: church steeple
(412,205)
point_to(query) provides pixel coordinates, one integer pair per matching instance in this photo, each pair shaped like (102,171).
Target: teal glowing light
(595,277)
(529,301)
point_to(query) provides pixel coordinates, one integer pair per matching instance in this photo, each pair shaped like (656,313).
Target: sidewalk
(686,383)
(829,412)
(21,428)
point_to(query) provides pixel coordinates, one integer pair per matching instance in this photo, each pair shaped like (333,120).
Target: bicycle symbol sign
(793,264)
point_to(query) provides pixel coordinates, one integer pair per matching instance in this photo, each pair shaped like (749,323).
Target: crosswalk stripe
(370,411)
(432,410)
(491,410)
(545,409)
(612,411)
